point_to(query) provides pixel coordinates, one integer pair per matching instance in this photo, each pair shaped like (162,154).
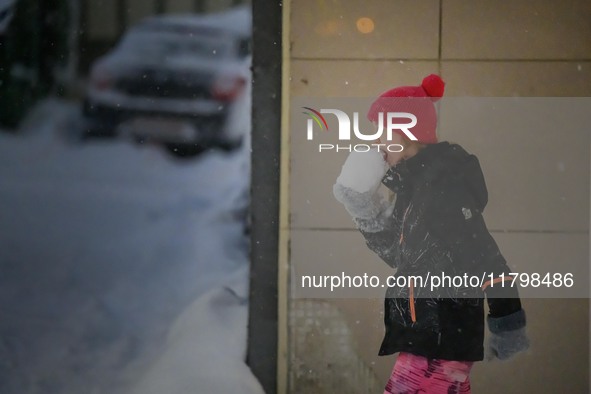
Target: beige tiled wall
(352,78)
(328,29)
(538,181)
(529,78)
(540,29)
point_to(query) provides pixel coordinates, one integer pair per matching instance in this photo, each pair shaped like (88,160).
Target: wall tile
(527,79)
(489,29)
(332,29)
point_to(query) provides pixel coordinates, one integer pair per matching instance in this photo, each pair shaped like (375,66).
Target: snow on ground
(120,266)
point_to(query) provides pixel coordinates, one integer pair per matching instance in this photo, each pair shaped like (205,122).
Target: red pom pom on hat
(408,99)
(433,86)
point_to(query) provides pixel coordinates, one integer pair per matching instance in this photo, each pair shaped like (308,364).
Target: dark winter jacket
(436,227)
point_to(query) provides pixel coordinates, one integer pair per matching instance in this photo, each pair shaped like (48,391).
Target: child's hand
(504,344)
(357,185)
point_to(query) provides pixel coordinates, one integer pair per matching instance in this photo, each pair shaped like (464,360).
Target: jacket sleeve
(456,219)
(357,189)
(382,236)
(373,216)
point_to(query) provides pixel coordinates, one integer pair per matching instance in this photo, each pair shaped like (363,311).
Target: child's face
(392,158)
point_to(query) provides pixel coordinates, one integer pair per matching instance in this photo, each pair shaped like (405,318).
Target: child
(434,226)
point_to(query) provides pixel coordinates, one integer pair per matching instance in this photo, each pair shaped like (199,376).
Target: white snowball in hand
(363,171)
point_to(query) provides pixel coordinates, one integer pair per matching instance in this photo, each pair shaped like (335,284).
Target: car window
(163,45)
(179,29)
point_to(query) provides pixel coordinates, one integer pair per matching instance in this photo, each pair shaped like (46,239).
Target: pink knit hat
(417,100)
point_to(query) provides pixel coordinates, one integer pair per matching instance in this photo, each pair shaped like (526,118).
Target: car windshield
(165,45)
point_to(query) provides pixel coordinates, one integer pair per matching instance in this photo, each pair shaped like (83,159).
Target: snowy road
(111,258)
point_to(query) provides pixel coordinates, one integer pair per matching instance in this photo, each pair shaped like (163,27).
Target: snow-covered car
(175,79)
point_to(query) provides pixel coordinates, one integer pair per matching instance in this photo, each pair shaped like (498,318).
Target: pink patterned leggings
(416,374)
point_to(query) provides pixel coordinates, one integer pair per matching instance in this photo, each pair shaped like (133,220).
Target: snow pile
(191,341)
(104,246)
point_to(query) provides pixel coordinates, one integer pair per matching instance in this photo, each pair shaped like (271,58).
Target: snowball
(363,171)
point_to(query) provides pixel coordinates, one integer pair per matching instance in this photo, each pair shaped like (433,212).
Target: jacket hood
(465,167)
(440,161)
